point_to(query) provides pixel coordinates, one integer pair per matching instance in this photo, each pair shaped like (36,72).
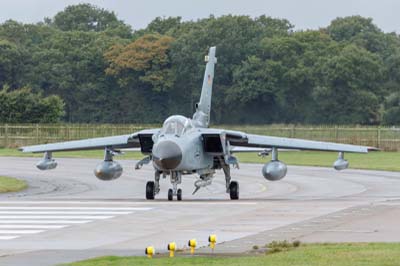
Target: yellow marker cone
(212,239)
(172,248)
(149,251)
(192,244)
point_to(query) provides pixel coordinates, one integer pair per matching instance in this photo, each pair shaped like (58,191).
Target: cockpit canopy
(176,125)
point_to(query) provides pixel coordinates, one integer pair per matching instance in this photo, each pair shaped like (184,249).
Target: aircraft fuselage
(178,149)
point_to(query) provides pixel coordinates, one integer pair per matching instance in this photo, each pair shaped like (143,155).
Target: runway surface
(67,214)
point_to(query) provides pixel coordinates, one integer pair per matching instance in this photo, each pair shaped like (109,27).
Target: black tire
(234,190)
(170,194)
(179,194)
(150,187)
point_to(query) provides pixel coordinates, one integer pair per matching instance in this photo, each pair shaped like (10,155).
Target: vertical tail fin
(203,108)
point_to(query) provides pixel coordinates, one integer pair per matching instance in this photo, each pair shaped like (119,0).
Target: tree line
(86,65)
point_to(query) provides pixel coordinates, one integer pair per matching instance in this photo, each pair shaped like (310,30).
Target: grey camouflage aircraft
(186,146)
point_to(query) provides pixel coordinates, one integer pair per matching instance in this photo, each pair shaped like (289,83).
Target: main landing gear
(153,187)
(150,192)
(232,187)
(234,190)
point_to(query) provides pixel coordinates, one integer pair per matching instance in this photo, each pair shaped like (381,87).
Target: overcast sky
(304,14)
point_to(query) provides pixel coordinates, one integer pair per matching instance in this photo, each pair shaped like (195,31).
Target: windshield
(176,125)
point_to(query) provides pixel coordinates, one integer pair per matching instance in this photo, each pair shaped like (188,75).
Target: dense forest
(86,65)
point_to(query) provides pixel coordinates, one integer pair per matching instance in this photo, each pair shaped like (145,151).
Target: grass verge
(351,254)
(388,161)
(9,184)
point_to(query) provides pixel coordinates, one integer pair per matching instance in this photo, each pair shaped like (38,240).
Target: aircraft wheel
(170,194)
(150,190)
(234,190)
(179,194)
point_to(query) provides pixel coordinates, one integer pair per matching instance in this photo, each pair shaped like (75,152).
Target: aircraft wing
(135,140)
(241,139)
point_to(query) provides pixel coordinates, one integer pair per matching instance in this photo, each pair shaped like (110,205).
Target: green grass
(95,154)
(369,254)
(389,161)
(9,184)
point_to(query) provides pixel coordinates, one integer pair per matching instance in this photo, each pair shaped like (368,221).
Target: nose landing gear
(176,179)
(171,194)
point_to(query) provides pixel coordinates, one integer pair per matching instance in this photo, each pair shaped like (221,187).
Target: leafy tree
(145,59)
(348,91)
(236,38)
(12,59)
(163,25)
(86,17)
(348,72)
(358,30)
(71,64)
(257,90)
(392,110)
(142,68)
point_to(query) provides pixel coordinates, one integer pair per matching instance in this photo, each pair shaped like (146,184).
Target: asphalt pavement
(68,215)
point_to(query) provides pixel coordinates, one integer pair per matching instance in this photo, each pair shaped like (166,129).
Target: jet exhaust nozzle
(108,170)
(274,170)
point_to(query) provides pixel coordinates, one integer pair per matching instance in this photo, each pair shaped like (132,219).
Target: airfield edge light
(149,251)
(212,239)
(192,244)
(171,247)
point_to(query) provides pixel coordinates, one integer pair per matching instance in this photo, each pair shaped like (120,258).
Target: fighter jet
(186,146)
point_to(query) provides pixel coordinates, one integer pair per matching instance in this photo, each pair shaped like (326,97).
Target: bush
(24,106)
(279,246)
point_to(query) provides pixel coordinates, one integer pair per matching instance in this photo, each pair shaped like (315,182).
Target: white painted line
(94,217)
(30,226)
(44,221)
(64,212)
(23,232)
(8,237)
(121,203)
(74,208)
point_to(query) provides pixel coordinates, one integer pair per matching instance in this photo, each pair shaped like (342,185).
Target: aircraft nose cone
(167,155)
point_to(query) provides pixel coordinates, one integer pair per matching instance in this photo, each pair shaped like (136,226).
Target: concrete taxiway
(67,214)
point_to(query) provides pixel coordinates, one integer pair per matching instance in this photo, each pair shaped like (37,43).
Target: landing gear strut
(232,187)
